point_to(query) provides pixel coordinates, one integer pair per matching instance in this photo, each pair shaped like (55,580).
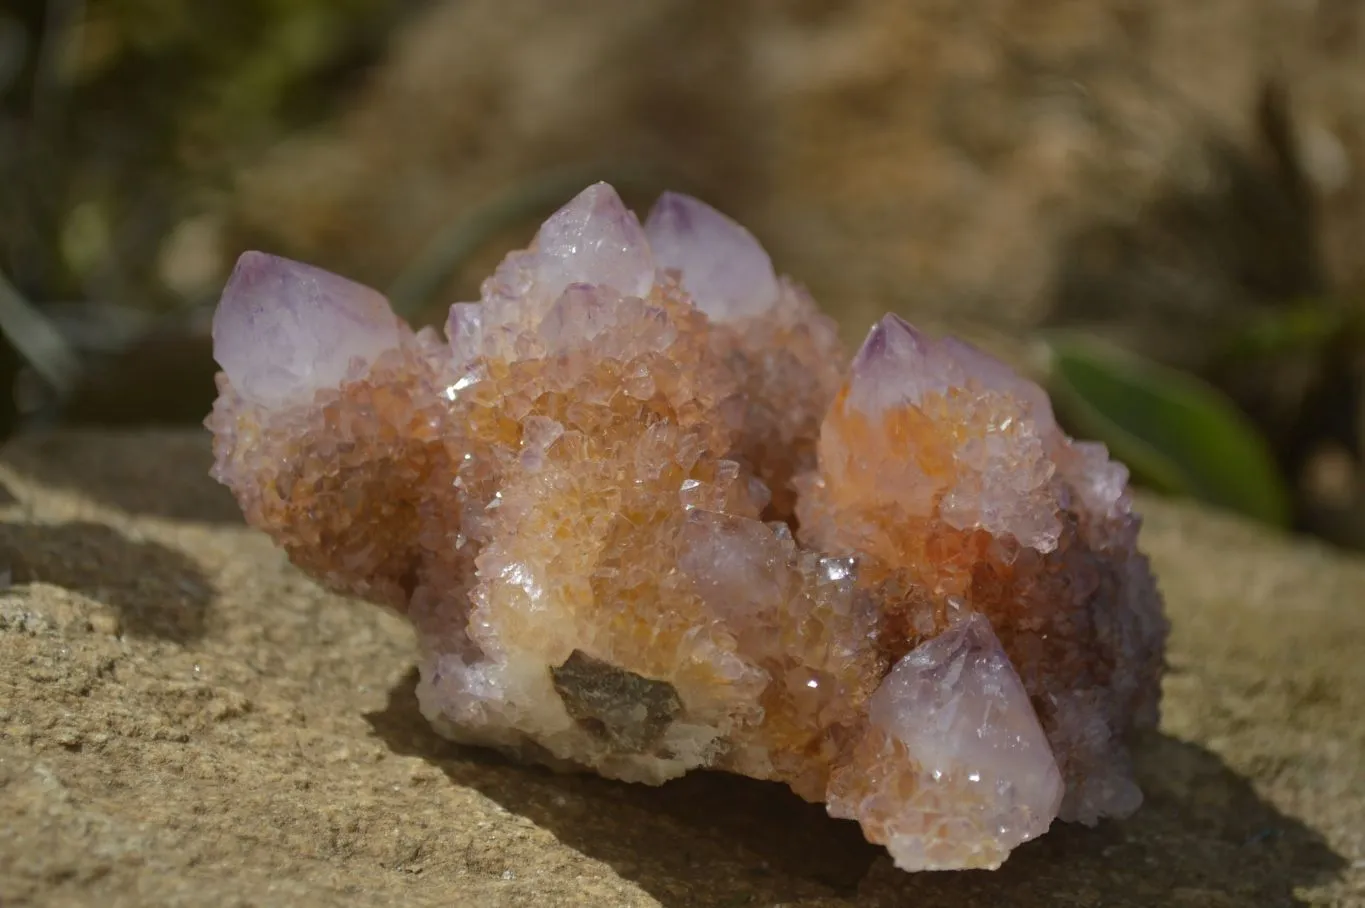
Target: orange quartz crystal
(645,519)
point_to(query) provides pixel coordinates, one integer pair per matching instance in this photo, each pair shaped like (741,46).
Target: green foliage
(126,116)
(1175,432)
(37,341)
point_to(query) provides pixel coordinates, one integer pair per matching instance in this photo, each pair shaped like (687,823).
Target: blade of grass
(38,342)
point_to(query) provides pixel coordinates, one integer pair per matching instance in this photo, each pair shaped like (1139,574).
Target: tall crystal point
(284,330)
(952,727)
(595,239)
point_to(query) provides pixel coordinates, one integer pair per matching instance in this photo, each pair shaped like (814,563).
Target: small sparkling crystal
(644,521)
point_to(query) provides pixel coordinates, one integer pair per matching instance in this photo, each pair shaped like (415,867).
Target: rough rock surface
(186,720)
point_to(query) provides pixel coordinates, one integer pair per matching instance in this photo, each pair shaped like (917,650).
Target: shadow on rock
(155,472)
(1202,838)
(158,592)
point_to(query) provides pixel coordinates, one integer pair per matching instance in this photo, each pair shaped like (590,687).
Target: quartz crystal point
(644,522)
(722,266)
(951,723)
(285,331)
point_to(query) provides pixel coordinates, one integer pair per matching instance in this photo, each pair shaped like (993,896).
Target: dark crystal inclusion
(627,710)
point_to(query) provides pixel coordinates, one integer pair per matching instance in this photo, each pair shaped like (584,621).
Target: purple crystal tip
(960,709)
(892,337)
(284,330)
(594,239)
(724,268)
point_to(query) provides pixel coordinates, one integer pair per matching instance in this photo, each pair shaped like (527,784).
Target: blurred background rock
(1186,181)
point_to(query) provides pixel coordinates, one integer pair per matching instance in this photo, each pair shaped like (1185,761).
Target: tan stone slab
(185,720)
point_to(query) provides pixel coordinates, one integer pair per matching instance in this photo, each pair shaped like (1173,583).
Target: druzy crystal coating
(646,517)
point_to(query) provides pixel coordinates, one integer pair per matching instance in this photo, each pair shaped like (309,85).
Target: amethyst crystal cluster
(645,520)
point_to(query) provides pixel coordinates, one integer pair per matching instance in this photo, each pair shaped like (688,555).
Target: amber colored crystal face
(645,519)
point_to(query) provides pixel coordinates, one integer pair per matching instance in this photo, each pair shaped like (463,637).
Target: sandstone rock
(185,720)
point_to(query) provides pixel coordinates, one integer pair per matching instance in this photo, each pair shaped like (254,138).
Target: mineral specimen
(644,521)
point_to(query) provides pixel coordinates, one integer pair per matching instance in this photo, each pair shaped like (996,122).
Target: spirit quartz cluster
(646,518)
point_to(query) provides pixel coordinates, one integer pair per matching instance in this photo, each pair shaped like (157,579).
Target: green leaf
(1174,431)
